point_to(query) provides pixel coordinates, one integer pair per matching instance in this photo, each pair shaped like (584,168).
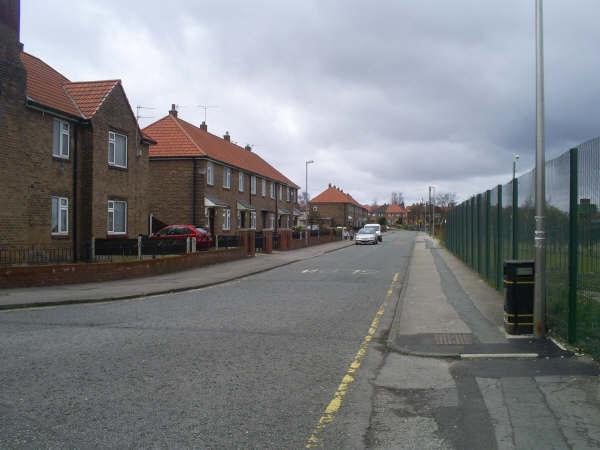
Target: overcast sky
(383,95)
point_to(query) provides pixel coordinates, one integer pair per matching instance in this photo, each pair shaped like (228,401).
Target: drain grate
(453,338)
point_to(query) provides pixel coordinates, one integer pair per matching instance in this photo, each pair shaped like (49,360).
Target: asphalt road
(247,364)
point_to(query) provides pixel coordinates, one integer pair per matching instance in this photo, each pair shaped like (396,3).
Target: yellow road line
(332,409)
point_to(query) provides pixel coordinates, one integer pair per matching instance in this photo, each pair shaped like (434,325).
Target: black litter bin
(518,302)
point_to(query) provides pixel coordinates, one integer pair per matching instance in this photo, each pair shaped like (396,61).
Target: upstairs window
(281,192)
(60,216)
(241,182)
(264,187)
(210,178)
(272,190)
(117,217)
(61,134)
(226,177)
(253,185)
(117,149)
(287,194)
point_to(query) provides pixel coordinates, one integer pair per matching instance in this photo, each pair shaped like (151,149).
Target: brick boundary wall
(30,276)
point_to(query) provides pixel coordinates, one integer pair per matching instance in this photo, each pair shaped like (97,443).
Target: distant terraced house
(73,162)
(202,179)
(338,208)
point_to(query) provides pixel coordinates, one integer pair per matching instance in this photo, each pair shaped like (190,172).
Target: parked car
(366,235)
(377,228)
(203,238)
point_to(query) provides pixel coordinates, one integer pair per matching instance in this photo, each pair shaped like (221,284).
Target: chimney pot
(248,148)
(173,110)
(203,126)
(329,184)
(227,137)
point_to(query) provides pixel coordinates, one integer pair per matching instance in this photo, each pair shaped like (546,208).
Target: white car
(377,228)
(365,236)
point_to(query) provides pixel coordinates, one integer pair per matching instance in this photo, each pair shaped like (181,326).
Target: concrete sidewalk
(454,380)
(448,310)
(161,284)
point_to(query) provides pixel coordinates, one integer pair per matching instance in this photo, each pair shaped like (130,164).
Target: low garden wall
(56,274)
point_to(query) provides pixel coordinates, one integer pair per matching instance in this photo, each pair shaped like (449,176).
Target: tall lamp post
(515,160)
(432,204)
(539,296)
(306,163)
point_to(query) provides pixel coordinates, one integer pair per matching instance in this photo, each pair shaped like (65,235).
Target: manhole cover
(453,338)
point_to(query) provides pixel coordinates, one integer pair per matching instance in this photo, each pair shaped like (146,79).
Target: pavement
(396,345)
(160,284)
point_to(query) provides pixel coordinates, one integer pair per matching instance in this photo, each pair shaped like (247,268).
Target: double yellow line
(332,409)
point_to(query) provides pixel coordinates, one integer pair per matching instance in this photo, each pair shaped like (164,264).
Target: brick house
(396,214)
(74,163)
(339,208)
(199,178)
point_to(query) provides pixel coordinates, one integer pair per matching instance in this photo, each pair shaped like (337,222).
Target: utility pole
(306,163)
(539,301)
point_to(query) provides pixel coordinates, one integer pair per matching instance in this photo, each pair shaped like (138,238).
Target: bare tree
(445,199)
(397,198)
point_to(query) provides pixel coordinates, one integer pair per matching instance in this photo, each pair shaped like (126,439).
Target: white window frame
(226,219)
(112,140)
(273,190)
(287,194)
(241,182)
(264,187)
(272,221)
(61,204)
(281,192)
(111,223)
(64,134)
(253,184)
(253,220)
(210,173)
(226,177)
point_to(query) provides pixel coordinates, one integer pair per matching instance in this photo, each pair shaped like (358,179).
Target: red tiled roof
(45,85)
(395,209)
(334,195)
(89,95)
(176,137)
(50,88)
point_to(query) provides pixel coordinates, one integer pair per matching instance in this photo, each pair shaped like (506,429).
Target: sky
(384,95)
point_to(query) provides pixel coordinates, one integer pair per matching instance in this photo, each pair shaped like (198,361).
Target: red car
(203,239)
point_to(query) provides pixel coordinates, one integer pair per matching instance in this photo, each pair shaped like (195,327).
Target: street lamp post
(515,159)
(306,163)
(432,205)
(539,297)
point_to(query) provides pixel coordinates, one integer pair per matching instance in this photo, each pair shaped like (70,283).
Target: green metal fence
(498,225)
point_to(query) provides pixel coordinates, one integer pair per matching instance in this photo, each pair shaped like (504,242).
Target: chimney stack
(173,110)
(248,148)
(329,184)
(203,126)
(227,137)
(10,13)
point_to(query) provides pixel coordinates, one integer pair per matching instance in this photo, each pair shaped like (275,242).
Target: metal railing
(34,255)
(498,225)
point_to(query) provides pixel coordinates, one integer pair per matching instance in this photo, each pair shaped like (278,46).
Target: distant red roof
(395,209)
(176,138)
(334,194)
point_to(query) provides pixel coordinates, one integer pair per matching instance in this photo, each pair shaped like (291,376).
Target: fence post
(93,249)
(216,241)
(573,243)
(515,218)
(139,247)
(488,232)
(187,245)
(193,242)
(499,244)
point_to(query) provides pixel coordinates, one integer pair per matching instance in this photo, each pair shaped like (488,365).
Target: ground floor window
(272,221)
(117,217)
(60,215)
(253,219)
(226,219)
